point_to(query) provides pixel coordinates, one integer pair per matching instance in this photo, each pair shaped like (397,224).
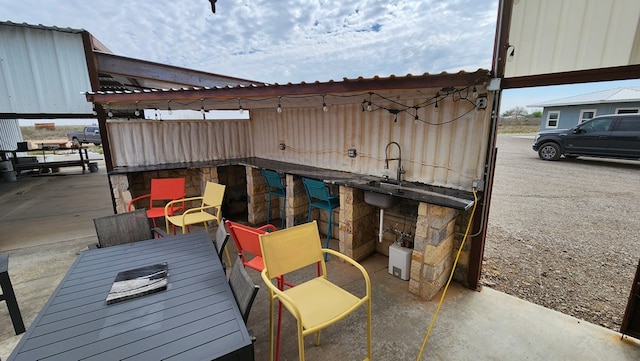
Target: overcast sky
(278,41)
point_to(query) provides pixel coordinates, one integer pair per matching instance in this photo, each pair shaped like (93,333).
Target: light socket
(282,146)
(351,153)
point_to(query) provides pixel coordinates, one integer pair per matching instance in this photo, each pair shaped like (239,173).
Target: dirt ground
(565,234)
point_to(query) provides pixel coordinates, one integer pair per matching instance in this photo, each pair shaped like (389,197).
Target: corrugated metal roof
(42,27)
(616,95)
(299,95)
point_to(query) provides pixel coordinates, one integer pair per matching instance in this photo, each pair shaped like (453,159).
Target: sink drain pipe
(453,269)
(381,231)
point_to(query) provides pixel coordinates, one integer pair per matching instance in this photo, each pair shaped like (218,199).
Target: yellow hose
(444,291)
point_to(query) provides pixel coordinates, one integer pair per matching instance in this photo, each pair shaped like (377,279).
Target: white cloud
(283,41)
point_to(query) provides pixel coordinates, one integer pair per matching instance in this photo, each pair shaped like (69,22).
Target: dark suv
(609,136)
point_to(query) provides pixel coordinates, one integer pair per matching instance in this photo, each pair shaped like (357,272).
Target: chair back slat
(213,194)
(245,238)
(243,288)
(290,249)
(272,178)
(167,189)
(316,189)
(123,228)
(222,237)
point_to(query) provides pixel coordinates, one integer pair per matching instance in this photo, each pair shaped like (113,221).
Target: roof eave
(274,90)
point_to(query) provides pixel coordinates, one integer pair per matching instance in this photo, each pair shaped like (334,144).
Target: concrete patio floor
(47,220)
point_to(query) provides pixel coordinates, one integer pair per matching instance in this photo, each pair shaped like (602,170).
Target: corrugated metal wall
(150,142)
(553,36)
(447,153)
(10,134)
(42,71)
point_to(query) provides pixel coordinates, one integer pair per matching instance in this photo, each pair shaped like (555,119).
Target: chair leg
(329,229)
(278,331)
(284,213)
(268,207)
(12,304)
(270,327)
(300,342)
(369,329)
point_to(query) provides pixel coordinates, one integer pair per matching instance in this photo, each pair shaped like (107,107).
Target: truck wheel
(549,151)
(75,143)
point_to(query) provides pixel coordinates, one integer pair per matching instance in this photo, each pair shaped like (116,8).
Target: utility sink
(382,200)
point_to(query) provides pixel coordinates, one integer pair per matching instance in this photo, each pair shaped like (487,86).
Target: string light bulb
(109,112)
(202,111)
(369,103)
(94,111)
(324,105)
(279,108)
(137,111)
(435,108)
(169,107)
(240,108)
(474,92)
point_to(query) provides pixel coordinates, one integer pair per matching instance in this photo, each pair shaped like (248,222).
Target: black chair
(9,296)
(124,228)
(243,288)
(222,237)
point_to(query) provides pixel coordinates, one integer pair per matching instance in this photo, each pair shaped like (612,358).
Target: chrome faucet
(400,170)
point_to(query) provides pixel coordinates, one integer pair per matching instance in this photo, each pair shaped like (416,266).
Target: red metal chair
(247,241)
(162,191)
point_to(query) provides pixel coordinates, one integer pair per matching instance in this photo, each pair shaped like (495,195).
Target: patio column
(357,229)
(433,252)
(257,197)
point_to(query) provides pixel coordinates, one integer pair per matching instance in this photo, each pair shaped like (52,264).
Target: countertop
(446,197)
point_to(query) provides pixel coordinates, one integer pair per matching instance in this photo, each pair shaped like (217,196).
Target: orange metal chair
(247,242)
(162,191)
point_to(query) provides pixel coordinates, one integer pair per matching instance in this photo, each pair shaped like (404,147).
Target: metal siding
(142,143)
(450,154)
(554,36)
(43,71)
(569,115)
(10,134)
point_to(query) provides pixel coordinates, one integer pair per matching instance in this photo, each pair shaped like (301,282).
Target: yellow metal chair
(316,303)
(210,208)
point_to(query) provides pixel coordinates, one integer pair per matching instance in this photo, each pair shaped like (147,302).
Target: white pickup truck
(88,135)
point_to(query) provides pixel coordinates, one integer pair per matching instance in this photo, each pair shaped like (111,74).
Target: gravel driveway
(564,234)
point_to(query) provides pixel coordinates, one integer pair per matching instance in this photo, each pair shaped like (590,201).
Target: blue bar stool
(275,188)
(9,296)
(319,197)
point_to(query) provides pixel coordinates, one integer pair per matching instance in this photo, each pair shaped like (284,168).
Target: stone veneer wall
(434,249)
(357,224)
(257,197)
(128,186)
